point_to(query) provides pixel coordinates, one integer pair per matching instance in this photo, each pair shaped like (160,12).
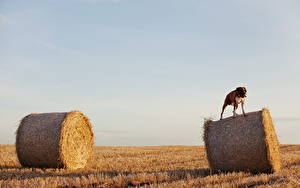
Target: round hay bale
(55,140)
(243,143)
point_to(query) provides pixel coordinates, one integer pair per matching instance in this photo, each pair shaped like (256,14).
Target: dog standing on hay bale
(234,98)
(55,140)
(242,143)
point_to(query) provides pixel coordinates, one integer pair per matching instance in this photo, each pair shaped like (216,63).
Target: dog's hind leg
(223,108)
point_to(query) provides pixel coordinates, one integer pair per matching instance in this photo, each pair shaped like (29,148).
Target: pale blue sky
(147,72)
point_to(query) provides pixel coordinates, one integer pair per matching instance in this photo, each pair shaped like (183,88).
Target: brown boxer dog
(234,98)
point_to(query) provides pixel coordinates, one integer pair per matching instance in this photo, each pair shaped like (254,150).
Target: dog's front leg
(242,103)
(235,106)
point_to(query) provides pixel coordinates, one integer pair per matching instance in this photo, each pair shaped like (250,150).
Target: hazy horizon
(148,72)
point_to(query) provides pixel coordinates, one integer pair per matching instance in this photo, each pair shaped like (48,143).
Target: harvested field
(153,166)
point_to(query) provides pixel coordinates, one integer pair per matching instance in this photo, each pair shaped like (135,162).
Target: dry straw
(243,143)
(55,140)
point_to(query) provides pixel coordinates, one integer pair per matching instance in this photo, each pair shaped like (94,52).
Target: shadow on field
(20,173)
(294,163)
(174,175)
(184,173)
(11,167)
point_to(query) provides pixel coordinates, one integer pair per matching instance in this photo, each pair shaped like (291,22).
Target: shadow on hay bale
(55,140)
(243,143)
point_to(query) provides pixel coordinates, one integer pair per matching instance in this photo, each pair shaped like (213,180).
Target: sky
(148,72)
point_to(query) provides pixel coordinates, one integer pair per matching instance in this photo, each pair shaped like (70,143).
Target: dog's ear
(238,88)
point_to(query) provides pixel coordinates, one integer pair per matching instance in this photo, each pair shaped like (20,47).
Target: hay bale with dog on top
(55,140)
(243,143)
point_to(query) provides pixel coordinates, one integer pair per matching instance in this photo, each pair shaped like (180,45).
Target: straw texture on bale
(55,140)
(243,143)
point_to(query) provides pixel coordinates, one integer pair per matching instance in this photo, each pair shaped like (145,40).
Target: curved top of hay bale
(55,140)
(242,143)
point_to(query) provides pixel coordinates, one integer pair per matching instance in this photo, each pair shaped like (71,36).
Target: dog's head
(241,91)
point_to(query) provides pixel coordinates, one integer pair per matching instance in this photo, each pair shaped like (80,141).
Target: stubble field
(152,166)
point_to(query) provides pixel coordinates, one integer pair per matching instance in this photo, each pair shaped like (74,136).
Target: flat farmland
(149,166)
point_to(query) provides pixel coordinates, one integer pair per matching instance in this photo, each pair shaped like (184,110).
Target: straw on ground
(157,166)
